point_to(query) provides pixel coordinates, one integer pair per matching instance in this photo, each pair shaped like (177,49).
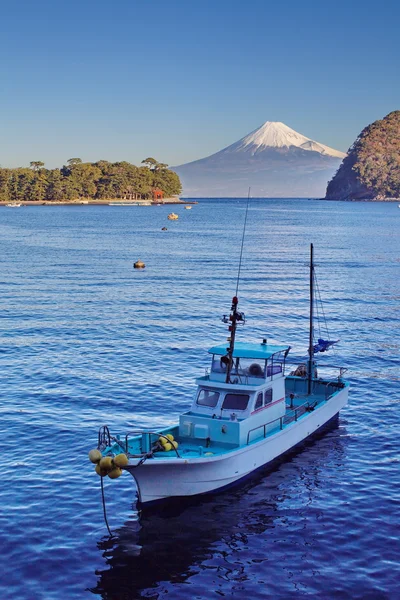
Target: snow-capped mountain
(274,160)
(278,135)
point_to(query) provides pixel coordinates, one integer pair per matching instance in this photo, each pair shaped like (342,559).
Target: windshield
(235,402)
(208,398)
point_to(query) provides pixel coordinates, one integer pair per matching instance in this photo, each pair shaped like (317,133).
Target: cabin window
(259,401)
(268,396)
(235,401)
(251,367)
(208,398)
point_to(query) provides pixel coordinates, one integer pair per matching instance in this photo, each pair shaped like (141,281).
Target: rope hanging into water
(104,506)
(241,250)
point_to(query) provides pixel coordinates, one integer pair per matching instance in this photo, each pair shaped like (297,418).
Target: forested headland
(371,169)
(90,181)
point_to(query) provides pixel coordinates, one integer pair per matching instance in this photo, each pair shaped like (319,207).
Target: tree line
(79,180)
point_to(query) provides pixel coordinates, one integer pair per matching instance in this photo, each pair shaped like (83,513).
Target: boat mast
(310,345)
(235,315)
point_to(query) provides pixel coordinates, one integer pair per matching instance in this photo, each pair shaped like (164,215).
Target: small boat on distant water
(13,205)
(188,208)
(173,216)
(129,203)
(245,413)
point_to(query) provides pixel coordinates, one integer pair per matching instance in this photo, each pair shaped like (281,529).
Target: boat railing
(287,418)
(336,385)
(146,442)
(334,370)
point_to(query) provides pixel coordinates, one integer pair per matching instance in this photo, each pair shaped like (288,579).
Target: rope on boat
(104,507)
(118,442)
(319,303)
(141,461)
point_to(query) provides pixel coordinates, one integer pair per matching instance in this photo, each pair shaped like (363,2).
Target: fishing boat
(188,208)
(173,216)
(13,205)
(246,412)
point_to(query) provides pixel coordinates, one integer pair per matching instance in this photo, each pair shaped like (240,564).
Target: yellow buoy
(170,437)
(174,444)
(100,471)
(106,463)
(121,460)
(163,440)
(209,454)
(95,456)
(115,473)
(167,447)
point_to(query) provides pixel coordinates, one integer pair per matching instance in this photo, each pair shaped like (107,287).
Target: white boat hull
(165,478)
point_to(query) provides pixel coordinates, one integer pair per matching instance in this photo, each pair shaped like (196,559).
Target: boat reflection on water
(170,543)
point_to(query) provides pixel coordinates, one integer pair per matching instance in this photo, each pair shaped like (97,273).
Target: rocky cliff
(371,169)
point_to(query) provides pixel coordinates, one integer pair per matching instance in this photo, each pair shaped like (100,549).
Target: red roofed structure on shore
(158,195)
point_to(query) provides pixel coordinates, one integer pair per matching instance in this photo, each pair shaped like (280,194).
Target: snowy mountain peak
(274,134)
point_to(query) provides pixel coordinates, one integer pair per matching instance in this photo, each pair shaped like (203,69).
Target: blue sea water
(87,340)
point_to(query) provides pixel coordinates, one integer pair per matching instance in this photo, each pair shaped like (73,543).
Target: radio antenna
(241,249)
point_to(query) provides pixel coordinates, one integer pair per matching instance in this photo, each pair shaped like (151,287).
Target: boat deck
(298,406)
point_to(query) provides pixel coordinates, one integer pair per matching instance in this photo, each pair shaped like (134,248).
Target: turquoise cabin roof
(243,350)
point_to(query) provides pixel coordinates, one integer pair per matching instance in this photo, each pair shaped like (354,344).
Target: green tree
(56,186)
(168,182)
(162,177)
(82,178)
(74,161)
(36,165)
(4,185)
(150,163)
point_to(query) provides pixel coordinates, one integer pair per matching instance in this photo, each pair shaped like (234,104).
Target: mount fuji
(274,160)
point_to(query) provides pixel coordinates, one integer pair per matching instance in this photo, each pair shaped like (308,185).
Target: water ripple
(86,340)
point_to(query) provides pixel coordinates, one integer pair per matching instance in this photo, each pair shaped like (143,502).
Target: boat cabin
(255,396)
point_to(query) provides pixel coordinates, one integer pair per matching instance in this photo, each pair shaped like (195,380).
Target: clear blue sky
(181,79)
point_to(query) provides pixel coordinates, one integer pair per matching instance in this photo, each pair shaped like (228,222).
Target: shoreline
(108,202)
(169,201)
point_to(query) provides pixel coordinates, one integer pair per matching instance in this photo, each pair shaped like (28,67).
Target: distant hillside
(371,168)
(274,160)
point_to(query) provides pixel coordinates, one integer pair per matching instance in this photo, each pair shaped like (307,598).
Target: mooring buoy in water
(164,229)
(139,265)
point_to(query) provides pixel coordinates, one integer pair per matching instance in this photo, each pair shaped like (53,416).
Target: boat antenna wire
(318,300)
(241,249)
